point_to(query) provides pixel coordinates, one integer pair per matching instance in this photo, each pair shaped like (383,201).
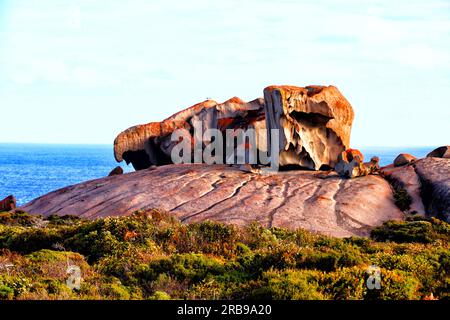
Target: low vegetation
(151,255)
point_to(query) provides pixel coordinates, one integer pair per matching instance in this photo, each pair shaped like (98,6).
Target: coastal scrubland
(151,255)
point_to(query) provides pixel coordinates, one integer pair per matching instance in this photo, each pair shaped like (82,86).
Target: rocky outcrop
(434,175)
(150,144)
(291,199)
(8,204)
(427,181)
(351,164)
(403,159)
(441,152)
(315,124)
(116,171)
(406,178)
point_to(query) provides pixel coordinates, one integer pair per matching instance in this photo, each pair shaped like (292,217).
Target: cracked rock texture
(434,174)
(322,203)
(427,181)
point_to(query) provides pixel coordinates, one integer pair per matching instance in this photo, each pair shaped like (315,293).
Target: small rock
(441,152)
(8,204)
(349,163)
(117,171)
(403,159)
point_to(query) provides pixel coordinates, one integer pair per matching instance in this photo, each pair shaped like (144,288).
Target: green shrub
(290,285)
(415,230)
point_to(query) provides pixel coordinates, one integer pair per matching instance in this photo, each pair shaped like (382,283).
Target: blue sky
(82,71)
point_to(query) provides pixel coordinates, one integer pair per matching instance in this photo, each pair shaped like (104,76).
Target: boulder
(116,171)
(441,152)
(8,204)
(350,164)
(199,192)
(403,159)
(315,124)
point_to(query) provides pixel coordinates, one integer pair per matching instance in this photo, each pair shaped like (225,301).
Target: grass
(151,255)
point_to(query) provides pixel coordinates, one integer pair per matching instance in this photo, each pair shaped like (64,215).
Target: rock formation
(434,174)
(314,123)
(351,164)
(403,159)
(441,152)
(198,192)
(8,204)
(116,171)
(427,181)
(150,144)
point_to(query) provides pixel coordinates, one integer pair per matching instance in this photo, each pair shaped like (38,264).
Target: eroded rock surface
(150,144)
(405,177)
(351,164)
(292,199)
(434,174)
(427,181)
(315,124)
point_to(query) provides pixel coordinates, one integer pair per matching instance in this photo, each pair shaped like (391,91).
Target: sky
(82,71)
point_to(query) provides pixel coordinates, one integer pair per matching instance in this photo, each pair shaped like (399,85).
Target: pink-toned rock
(403,159)
(150,144)
(315,124)
(292,199)
(406,178)
(434,175)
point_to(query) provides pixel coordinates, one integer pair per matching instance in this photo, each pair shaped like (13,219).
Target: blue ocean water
(31,170)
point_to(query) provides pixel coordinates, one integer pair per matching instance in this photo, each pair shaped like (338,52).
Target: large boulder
(198,192)
(315,124)
(8,204)
(441,152)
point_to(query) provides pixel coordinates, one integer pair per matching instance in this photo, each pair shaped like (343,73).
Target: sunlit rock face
(151,145)
(315,124)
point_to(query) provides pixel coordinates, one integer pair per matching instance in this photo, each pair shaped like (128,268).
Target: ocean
(30,170)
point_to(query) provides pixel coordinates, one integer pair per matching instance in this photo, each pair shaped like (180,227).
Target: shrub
(290,285)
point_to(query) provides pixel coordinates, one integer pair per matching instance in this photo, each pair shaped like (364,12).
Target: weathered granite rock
(403,159)
(315,122)
(350,164)
(441,152)
(434,175)
(116,171)
(150,144)
(405,177)
(291,199)
(8,204)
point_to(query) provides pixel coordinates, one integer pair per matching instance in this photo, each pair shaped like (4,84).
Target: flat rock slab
(310,200)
